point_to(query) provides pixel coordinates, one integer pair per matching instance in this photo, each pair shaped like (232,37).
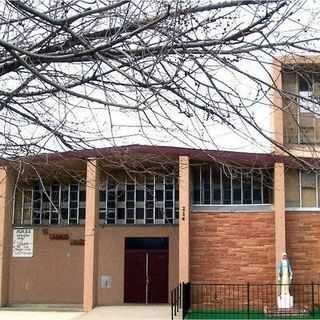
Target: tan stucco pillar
(277,116)
(184,219)
(279,211)
(91,224)
(7,182)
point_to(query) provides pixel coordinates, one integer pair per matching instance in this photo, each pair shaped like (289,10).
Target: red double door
(146,276)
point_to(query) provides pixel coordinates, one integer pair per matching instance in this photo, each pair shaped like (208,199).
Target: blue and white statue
(285,274)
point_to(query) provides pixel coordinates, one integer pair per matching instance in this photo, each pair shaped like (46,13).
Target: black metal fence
(180,300)
(244,301)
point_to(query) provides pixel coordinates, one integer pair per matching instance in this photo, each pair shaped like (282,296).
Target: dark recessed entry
(146,270)
(147,243)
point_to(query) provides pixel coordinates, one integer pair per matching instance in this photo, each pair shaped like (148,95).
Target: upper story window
(302,189)
(302,108)
(217,185)
(139,200)
(309,109)
(49,205)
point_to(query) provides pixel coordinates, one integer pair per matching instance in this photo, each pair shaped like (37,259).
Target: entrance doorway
(146,270)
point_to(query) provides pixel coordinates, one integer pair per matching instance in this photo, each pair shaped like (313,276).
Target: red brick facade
(232,247)
(303,245)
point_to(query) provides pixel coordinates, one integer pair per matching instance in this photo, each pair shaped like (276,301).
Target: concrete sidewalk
(125,312)
(129,312)
(39,315)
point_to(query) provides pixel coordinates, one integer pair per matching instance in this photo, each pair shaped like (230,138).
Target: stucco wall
(232,247)
(303,245)
(111,249)
(53,275)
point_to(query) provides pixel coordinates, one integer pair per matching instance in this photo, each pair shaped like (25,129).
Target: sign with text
(22,242)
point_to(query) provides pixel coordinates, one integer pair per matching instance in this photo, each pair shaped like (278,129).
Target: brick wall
(303,246)
(232,248)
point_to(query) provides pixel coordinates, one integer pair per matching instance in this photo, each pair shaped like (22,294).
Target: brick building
(127,224)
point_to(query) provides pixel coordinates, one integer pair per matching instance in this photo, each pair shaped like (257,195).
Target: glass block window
(139,200)
(50,205)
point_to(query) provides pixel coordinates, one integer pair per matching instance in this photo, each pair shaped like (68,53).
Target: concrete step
(287,312)
(44,307)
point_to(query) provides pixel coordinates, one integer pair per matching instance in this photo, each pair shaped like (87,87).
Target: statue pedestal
(285,301)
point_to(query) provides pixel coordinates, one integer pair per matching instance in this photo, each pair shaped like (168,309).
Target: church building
(127,224)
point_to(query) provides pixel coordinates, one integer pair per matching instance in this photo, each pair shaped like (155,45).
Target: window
(50,205)
(226,187)
(214,185)
(308,189)
(55,204)
(139,200)
(246,187)
(309,93)
(302,189)
(140,197)
(159,200)
(237,194)
(169,206)
(309,111)
(150,199)
(23,207)
(302,108)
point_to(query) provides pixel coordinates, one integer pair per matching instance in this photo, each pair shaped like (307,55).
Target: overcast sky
(177,130)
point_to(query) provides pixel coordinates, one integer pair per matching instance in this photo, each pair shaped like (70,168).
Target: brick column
(91,223)
(184,219)
(279,211)
(7,181)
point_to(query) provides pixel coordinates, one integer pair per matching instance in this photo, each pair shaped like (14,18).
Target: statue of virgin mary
(285,274)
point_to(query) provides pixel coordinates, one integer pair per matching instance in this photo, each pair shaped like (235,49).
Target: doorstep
(44,307)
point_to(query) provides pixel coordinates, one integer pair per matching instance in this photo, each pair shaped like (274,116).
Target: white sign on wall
(22,242)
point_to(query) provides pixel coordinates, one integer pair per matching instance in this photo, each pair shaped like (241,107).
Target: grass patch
(214,314)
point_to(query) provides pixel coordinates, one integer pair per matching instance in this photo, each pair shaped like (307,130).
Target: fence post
(189,296)
(248,300)
(179,302)
(186,300)
(178,297)
(183,299)
(312,292)
(171,304)
(175,301)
